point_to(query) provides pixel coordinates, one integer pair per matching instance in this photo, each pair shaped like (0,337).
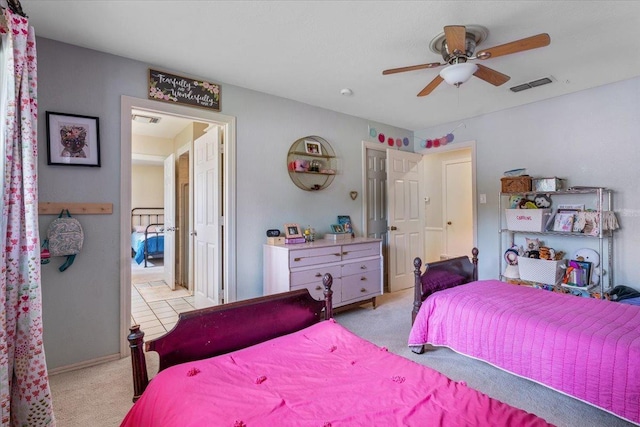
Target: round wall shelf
(311,163)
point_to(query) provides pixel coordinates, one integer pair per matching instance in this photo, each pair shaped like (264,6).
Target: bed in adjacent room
(274,361)
(147,234)
(584,347)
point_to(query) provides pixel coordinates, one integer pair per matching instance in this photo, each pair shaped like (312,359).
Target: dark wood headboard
(461,266)
(213,331)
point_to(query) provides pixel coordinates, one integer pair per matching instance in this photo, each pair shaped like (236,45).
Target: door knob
(448,222)
(393,228)
(194,233)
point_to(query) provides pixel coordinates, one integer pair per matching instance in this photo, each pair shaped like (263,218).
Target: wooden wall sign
(183,90)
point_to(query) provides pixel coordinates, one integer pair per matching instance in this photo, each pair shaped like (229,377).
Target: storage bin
(541,270)
(546,184)
(516,184)
(527,219)
(334,237)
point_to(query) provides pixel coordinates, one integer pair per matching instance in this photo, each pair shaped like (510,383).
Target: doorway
(428,200)
(159,289)
(227,222)
(457,207)
(449,202)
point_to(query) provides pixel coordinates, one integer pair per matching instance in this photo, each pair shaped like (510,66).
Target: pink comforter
(587,348)
(321,376)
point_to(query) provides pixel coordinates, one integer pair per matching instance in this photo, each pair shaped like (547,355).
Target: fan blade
(411,68)
(456,38)
(431,86)
(491,76)
(532,42)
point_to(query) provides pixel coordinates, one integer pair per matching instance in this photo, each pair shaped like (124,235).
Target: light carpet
(100,396)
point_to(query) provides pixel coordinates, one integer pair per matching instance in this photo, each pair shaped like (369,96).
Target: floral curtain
(25,397)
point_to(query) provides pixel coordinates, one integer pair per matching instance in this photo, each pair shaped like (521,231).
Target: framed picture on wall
(73,140)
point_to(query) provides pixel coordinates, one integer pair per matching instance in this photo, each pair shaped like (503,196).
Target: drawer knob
(363,278)
(345,253)
(363,290)
(338,254)
(318,288)
(297,259)
(363,267)
(318,275)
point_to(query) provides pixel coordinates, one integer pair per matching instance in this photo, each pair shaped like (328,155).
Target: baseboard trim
(85,364)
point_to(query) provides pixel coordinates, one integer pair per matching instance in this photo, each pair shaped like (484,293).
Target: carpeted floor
(100,396)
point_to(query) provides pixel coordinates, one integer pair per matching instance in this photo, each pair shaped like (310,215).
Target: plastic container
(541,270)
(527,219)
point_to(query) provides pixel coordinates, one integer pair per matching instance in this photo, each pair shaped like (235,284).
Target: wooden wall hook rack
(54,208)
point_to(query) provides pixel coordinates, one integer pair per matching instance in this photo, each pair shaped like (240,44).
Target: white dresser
(355,264)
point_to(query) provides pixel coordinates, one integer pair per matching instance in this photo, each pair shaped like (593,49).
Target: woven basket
(516,184)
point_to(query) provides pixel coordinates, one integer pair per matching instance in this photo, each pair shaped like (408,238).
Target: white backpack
(64,238)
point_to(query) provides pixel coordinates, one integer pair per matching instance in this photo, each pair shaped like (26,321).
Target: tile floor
(155,317)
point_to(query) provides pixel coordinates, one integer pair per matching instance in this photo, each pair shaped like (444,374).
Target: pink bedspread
(321,376)
(587,348)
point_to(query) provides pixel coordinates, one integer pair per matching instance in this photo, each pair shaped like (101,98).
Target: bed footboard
(459,266)
(213,331)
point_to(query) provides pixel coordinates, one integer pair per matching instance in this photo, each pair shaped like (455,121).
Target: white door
(169,221)
(458,208)
(404,177)
(376,200)
(206,206)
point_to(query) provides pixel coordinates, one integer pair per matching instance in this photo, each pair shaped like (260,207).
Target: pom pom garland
(439,142)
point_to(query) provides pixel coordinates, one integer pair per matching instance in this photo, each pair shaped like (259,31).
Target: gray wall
(589,137)
(81,307)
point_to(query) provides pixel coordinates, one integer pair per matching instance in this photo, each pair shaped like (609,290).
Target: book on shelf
(563,222)
(345,220)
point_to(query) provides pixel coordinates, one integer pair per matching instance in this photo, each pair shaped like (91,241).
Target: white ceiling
(167,127)
(308,51)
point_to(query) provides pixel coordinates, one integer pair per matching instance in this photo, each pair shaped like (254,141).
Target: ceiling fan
(457,45)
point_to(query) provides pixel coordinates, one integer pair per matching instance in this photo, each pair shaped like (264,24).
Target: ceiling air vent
(144,119)
(540,82)
(535,83)
(520,88)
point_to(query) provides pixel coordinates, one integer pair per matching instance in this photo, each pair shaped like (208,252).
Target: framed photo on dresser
(292,230)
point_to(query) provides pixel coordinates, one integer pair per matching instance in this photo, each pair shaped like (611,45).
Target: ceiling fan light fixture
(457,74)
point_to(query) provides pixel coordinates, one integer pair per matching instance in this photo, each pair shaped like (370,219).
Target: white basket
(541,270)
(527,219)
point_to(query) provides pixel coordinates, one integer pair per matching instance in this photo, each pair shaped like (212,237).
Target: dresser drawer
(314,275)
(312,256)
(360,250)
(361,286)
(317,290)
(360,267)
